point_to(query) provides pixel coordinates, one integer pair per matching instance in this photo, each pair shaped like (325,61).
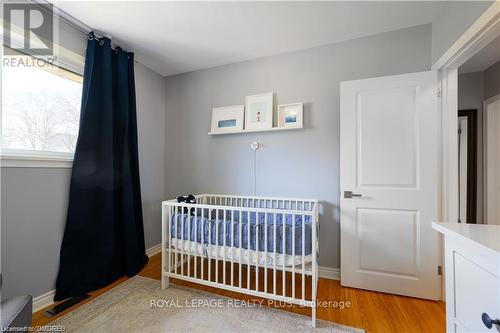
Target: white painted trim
(449,146)
(19,158)
(448,198)
(153,250)
(479,34)
(329,273)
(47,299)
(486,103)
(492,100)
(43,300)
(27,163)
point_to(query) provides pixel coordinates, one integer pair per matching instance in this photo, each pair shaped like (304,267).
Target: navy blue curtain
(104,235)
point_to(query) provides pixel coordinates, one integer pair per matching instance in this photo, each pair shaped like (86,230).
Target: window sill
(17,158)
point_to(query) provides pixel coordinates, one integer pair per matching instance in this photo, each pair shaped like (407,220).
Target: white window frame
(25,158)
(21,158)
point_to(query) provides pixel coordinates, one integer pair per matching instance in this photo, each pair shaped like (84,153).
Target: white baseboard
(44,300)
(329,273)
(47,299)
(153,250)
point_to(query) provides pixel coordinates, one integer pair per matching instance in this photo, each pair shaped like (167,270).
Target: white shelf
(273,129)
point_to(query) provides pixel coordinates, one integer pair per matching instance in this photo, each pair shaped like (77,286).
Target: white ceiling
(177,37)
(488,56)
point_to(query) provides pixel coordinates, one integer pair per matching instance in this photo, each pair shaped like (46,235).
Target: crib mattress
(228,253)
(202,230)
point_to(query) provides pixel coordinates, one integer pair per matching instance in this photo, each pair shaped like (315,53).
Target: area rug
(140,305)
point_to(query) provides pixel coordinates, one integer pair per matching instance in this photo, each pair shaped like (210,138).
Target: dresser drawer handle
(488,322)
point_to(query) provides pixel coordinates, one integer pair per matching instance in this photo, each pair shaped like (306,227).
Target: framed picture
(290,115)
(227,119)
(259,111)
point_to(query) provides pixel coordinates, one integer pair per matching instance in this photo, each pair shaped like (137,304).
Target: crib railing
(197,255)
(257,202)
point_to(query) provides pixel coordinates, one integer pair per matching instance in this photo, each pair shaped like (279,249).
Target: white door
(389,146)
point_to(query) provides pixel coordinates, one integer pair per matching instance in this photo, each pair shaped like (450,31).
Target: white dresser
(472,276)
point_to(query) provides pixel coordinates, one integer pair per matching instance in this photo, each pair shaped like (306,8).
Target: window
(40,107)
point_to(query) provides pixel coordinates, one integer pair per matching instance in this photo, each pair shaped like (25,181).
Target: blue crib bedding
(194,226)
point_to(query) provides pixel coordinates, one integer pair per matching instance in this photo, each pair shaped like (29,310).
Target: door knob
(349,194)
(488,322)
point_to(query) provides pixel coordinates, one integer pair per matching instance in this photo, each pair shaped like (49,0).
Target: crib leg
(314,298)
(165,253)
(165,282)
(313,318)
(164,264)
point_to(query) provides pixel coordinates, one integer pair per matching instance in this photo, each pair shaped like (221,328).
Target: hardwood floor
(372,311)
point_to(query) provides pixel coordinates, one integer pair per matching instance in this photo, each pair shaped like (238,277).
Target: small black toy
(188,199)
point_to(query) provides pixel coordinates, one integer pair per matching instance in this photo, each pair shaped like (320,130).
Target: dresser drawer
(477,291)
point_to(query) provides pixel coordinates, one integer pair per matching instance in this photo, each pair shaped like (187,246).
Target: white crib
(278,236)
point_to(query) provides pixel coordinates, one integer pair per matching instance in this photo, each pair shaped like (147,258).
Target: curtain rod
(76,23)
(67,18)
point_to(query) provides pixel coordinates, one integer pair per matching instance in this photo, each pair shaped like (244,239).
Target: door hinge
(438,92)
(440,270)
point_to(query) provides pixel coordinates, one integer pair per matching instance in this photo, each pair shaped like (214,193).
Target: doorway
(492,161)
(478,136)
(467,165)
(475,48)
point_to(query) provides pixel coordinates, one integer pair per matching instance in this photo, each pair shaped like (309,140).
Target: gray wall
(150,88)
(471,96)
(302,163)
(452,21)
(34,203)
(492,81)
(34,200)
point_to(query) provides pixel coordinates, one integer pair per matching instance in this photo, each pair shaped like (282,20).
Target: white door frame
(487,102)
(479,34)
